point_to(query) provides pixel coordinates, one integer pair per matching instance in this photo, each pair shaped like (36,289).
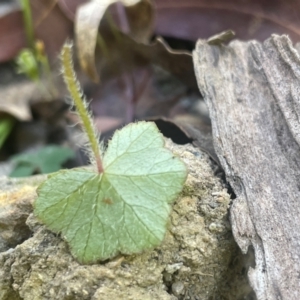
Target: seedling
(33,60)
(122,205)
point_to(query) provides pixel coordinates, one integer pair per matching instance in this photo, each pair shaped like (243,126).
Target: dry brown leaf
(250,19)
(18,99)
(88,19)
(128,54)
(12,35)
(178,62)
(50,25)
(125,50)
(14,100)
(69,7)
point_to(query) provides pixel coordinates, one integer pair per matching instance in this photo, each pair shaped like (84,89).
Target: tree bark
(253,94)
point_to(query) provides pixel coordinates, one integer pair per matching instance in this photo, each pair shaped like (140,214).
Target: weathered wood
(253,94)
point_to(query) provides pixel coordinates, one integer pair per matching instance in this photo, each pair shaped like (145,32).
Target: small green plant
(122,205)
(33,60)
(6,125)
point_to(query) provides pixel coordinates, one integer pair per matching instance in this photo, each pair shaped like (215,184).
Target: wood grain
(252,90)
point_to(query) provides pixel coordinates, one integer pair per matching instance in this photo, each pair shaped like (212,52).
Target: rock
(178,288)
(198,258)
(16,198)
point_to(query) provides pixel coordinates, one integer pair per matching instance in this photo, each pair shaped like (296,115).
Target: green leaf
(47,160)
(22,170)
(27,64)
(125,209)
(6,125)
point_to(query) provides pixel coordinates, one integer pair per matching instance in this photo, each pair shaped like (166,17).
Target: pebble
(177,288)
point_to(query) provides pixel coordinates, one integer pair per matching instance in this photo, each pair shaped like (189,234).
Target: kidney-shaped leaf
(123,210)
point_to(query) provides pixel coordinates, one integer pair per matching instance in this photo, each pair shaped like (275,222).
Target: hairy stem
(80,102)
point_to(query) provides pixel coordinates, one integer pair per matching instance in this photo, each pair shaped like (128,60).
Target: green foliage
(27,18)
(6,125)
(33,61)
(47,160)
(27,64)
(124,209)
(122,205)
